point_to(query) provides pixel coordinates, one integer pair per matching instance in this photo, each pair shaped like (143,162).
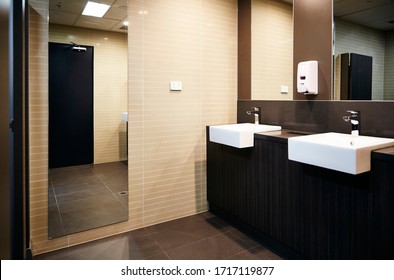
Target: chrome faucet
(354,119)
(256,111)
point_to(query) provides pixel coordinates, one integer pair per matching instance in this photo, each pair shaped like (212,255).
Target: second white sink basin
(337,151)
(240,135)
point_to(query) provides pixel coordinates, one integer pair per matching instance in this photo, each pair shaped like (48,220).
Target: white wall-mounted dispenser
(307,77)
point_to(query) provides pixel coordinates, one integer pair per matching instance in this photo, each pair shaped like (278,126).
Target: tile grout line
(194,241)
(105,184)
(57,204)
(164,251)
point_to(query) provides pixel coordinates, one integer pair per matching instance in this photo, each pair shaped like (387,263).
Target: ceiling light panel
(95,9)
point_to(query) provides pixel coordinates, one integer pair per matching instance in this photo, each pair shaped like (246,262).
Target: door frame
(14,131)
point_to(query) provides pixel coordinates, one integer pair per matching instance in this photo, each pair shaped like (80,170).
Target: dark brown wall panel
(244,49)
(313,41)
(323,116)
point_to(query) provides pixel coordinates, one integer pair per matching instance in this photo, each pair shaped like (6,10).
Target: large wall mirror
(363,28)
(88,174)
(364,50)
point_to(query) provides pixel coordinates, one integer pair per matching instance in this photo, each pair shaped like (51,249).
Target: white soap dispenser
(307,77)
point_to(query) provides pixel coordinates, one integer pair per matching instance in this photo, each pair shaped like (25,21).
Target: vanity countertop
(281,135)
(384,154)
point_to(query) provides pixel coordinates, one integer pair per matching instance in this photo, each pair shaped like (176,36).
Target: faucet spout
(354,119)
(257,114)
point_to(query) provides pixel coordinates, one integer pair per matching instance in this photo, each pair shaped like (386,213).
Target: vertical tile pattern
(110,86)
(190,41)
(353,38)
(272,49)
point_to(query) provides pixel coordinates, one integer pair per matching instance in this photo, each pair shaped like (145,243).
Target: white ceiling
(69,12)
(378,14)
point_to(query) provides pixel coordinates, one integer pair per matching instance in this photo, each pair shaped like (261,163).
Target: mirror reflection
(364,50)
(362,28)
(272,50)
(88,175)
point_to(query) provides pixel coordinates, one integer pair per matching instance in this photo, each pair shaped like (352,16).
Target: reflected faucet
(354,119)
(257,114)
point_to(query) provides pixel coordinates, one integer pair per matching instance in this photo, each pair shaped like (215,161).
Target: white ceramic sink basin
(337,151)
(240,135)
(125,116)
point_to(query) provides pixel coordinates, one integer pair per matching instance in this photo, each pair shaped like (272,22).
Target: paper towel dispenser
(307,77)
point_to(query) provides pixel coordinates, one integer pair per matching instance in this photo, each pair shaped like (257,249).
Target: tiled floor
(202,236)
(86,196)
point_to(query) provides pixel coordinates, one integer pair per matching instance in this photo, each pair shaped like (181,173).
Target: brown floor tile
(120,248)
(184,233)
(202,236)
(162,256)
(84,200)
(256,253)
(181,222)
(216,247)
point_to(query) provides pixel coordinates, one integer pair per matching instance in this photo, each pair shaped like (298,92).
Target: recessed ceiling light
(95,9)
(126,23)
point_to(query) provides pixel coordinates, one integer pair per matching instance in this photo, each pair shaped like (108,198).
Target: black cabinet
(230,175)
(302,210)
(383,204)
(320,213)
(356,77)
(275,193)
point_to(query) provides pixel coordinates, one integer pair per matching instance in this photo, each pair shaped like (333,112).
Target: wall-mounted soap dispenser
(307,77)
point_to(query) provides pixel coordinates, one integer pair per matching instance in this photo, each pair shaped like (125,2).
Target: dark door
(70,105)
(14,152)
(356,77)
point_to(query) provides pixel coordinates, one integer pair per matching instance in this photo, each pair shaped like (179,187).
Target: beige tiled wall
(354,38)
(194,42)
(272,49)
(110,86)
(38,119)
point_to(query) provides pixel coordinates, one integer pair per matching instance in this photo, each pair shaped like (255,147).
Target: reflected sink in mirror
(240,135)
(336,151)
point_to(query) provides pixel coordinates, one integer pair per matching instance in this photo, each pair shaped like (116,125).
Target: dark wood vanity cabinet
(303,211)
(382,171)
(230,173)
(277,194)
